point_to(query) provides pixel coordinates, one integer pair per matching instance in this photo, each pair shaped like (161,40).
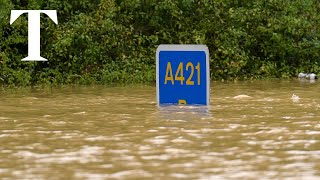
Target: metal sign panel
(183,75)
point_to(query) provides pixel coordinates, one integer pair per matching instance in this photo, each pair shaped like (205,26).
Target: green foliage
(114,41)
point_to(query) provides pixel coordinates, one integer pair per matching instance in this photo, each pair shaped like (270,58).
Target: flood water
(252,130)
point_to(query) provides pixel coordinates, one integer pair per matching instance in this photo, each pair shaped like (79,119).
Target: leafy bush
(114,41)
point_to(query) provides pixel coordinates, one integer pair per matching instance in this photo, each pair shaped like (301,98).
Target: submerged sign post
(183,76)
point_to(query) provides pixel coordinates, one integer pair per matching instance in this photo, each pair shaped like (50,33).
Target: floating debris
(295,98)
(242,96)
(302,75)
(310,76)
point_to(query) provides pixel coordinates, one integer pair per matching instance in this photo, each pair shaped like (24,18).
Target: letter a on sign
(34,30)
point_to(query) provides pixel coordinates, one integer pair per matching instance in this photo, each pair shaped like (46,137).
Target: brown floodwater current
(251,130)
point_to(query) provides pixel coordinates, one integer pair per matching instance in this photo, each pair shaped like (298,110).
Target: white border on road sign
(182,47)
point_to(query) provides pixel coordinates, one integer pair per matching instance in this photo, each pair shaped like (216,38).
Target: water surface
(102,132)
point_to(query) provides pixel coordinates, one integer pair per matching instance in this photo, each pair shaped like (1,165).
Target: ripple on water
(4,118)
(309,132)
(4,170)
(84,155)
(266,136)
(97,138)
(161,157)
(132,174)
(80,113)
(268,99)
(158,140)
(181,140)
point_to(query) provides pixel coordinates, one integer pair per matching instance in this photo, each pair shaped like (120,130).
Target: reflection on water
(183,113)
(251,130)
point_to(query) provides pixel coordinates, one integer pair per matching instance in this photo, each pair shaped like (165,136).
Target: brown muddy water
(252,130)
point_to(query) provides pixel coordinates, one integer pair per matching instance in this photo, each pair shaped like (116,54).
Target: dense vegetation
(114,41)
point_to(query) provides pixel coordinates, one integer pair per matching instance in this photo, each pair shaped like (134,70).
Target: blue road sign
(183,75)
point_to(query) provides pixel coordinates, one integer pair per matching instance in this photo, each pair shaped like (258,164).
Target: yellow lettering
(189,81)
(180,71)
(182,102)
(198,69)
(169,76)
(179,75)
